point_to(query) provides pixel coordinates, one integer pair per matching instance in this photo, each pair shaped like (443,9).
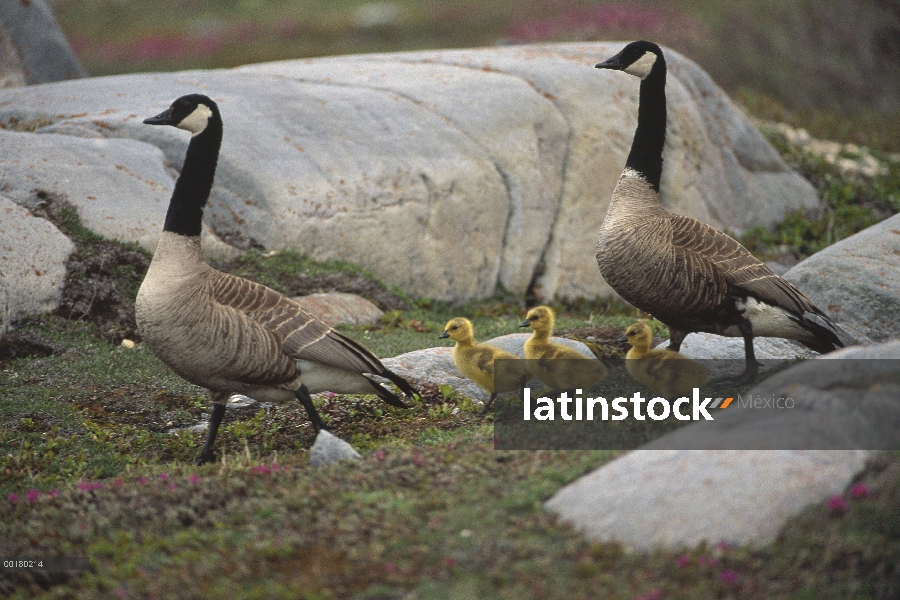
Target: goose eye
(454,328)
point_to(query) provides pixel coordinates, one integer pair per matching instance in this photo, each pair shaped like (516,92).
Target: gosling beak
(525,323)
(444,335)
(611,63)
(622,339)
(163,118)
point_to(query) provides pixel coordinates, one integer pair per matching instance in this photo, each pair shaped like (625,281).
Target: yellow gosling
(555,364)
(476,361)
(665,372)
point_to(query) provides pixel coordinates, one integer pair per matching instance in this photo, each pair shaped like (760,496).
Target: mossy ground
(95,461)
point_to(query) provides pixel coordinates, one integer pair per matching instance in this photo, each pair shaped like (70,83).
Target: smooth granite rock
(33,255)
(857,281)
(412,164)
(670,499)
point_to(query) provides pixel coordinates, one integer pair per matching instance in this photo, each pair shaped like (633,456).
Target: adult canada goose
(228,334)
(685,273)
(476,361)
(560,367)
(663,371)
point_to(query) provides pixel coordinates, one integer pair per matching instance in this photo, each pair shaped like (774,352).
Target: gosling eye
(629,333)
(454,328)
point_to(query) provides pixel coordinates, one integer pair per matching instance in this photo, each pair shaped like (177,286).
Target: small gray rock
(329,449)
(335,308)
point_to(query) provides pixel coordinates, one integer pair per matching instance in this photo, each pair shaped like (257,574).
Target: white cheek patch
(197,121)
(642,66)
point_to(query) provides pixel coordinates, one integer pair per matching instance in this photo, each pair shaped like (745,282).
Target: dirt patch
(27,344)
(102,277)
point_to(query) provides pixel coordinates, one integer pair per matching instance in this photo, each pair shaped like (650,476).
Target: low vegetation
(96,458)
(96,445)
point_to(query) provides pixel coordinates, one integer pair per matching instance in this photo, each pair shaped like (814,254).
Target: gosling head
(639,335)
(637,58)
(539,318)
(193,113)
(458,330)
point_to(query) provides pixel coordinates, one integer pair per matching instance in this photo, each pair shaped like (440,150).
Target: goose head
(639,335)
(458,330)
(192,113)
(637,58)
(539,318)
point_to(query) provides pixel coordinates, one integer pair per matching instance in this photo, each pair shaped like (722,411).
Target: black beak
(444,335)
(612,63)
(622,339)
(525,323)
(163,118)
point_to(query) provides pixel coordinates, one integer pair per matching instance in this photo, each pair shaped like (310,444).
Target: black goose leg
(487,405)
(306,400)
(676,337)
(215,419)
(752,368)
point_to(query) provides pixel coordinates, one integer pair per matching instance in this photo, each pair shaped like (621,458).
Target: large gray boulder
(33,255)
(33,48)
(659,495)
(120,187)
(670,499)
(448,173)
(857,281)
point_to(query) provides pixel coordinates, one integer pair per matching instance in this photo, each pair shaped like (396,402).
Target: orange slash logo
(724,404)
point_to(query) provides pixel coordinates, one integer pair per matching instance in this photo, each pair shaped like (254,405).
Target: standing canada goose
(476,361)
(560,367)
(226,333)
(663,371)
(685,273)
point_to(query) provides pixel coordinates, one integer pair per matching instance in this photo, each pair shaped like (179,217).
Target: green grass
(852,204)
(86,449)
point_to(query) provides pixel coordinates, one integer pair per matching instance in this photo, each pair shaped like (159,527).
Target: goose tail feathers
(388,396)
(823,338)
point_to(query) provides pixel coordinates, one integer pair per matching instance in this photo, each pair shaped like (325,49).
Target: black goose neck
(185,215)
(650,136)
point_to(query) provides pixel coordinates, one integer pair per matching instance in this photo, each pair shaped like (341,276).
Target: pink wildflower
(163,476)
(32,495)
(683,560)
(120,592)
(837,505)
(13,498)
(860,490)
(142,480)
(195,479)
(728,576)
(117,483)
(379,455)
(390,567)
(722,546)
(173,487)
(53,493)
(450,562)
